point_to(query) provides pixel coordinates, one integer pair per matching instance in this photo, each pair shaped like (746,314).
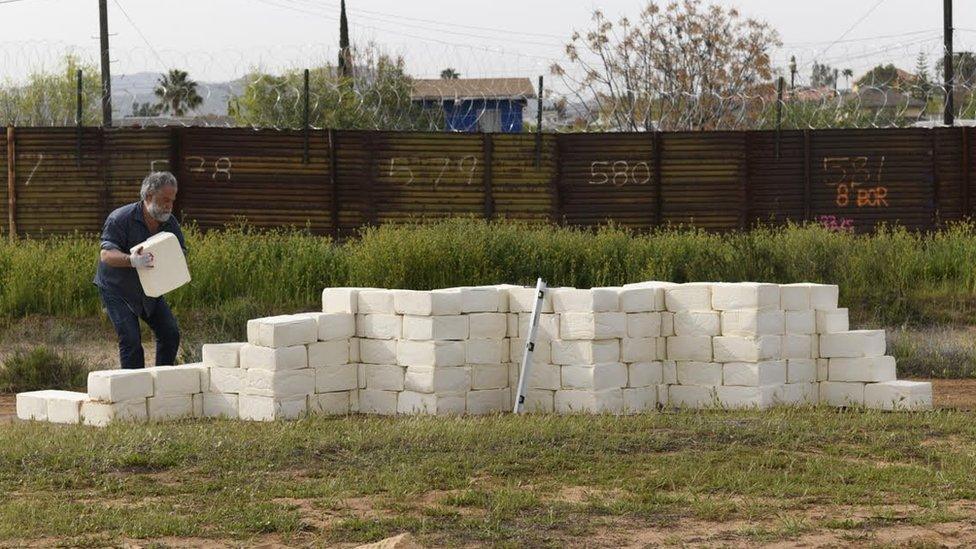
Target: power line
(871,53)
(852,27)
(418,37)
(865,39)
(399,17)
(395,20)
(144,39)
(884,49)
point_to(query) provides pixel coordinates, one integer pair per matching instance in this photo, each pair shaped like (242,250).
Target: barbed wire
(882,81)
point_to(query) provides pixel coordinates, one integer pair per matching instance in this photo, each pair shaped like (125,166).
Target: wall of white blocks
(632,349)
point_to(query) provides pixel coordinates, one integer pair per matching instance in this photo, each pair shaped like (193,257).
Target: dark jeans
(126,323)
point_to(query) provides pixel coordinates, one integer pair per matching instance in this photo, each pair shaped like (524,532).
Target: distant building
(476,104)
(887,100)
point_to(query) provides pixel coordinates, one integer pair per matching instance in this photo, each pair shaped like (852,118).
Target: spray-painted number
(199,164)
(619,173)
(435,168)
(856,181)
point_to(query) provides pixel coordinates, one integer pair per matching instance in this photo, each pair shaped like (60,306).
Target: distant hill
(138,88)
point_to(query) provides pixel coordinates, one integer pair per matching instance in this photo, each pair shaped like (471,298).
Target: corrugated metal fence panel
(521,189)
(949,156)
(715,180)
(130,155)
(353,177)
(608,177)
(968,165)
(867,177)
(703,176)
(775,182)
(56,193)
(229,174)
(427,176)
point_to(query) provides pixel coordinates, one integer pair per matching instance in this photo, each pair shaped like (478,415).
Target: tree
(345,54)
(177,93)
(50,98)
(681,66)
(882,76)
(923,84)
(823,76)
(145,109)
(963,69)
(827,112)
(848,74)
(376,97)
(449,74)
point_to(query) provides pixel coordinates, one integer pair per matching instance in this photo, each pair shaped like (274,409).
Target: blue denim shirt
(124,228)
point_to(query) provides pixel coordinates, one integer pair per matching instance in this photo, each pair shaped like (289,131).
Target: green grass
(890,277)
(499,480)
(42,368)
(933,352)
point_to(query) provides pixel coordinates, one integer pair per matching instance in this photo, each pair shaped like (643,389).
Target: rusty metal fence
(61,180)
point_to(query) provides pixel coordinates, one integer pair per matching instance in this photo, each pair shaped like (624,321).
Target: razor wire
(877,82)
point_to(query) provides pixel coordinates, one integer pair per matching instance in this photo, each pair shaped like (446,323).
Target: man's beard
(158,214)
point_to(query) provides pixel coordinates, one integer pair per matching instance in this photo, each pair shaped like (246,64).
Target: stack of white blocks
(161,393)
(627,349)
(429,352)
(290,365)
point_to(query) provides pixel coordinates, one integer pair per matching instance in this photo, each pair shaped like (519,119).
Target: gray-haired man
(118,282)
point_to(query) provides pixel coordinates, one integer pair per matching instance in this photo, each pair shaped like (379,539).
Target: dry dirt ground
(872,527)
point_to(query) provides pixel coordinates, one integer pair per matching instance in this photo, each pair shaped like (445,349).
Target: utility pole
(106,74)
(948,114)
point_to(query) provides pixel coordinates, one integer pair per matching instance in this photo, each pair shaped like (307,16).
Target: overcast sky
(221,39)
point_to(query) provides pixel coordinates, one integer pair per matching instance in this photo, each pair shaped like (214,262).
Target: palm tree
(449,74)
(177,93)
(848,74)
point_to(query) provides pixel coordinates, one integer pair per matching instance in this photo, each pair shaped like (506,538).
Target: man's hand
(141,260)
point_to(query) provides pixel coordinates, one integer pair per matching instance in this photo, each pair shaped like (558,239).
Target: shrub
(42,368)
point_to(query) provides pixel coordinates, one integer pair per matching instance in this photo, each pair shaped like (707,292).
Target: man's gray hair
(155,181)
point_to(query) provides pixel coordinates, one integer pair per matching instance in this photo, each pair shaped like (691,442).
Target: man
(118,281)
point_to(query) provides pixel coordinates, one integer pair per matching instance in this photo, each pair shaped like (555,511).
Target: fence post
(333,182)
(806,176)
(305,122)
(11,183)
(965,172)
(659,195)
(488,149)
(79,119)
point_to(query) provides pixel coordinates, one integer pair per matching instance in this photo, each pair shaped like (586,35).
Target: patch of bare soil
(811,531)
(959,394)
